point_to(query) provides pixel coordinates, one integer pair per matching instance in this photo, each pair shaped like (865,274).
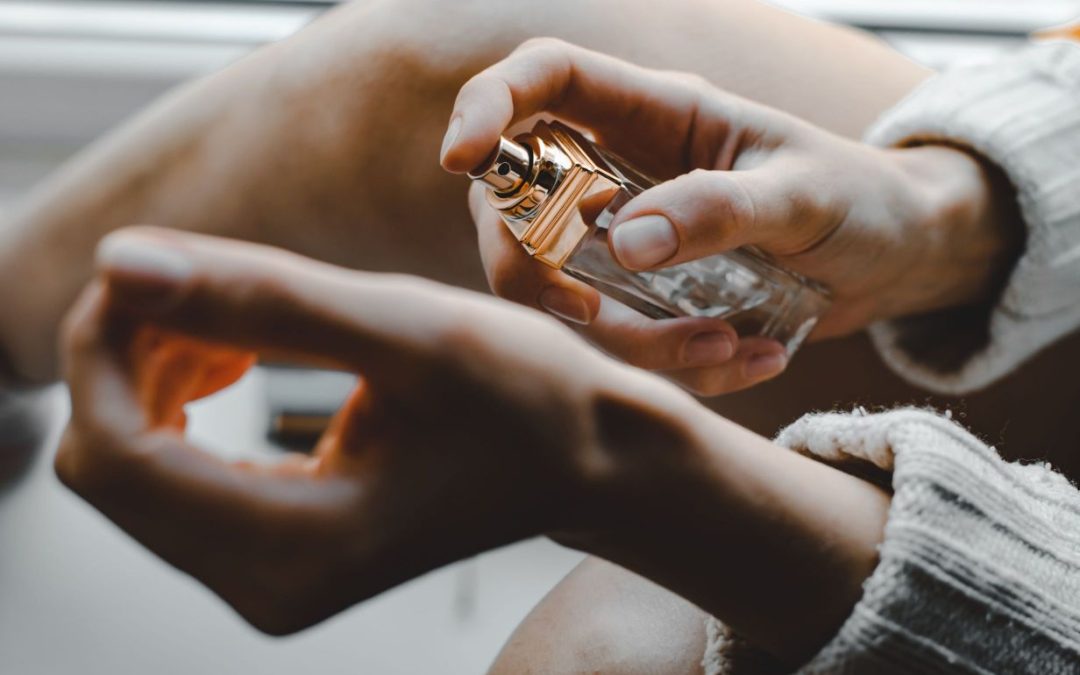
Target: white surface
(78,597)
(1011,16)
(70,70)
(158,21)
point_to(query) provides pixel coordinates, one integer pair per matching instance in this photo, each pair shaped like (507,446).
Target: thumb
(703,213)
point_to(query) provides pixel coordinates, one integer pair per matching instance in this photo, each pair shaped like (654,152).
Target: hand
(890,232)
(477,423)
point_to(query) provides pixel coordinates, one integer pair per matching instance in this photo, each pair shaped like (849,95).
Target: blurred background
(78,597)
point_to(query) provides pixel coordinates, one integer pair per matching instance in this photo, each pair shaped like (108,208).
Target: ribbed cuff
(1023,114)
(979,571)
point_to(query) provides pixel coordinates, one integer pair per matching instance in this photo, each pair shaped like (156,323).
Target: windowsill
(70,70)
(182,22)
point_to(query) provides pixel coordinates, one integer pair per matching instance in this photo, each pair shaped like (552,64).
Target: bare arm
(327,143)
(524,430)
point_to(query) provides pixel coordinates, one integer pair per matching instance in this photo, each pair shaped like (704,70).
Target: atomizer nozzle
(507,168)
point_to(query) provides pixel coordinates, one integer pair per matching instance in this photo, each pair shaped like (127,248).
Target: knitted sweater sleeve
(1023,114)
(979,570)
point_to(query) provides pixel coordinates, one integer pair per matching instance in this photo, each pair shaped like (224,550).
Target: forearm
(774,544)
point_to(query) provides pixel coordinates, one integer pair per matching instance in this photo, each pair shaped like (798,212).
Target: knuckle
(82,462)
(77,335)
(273,625)
(464,334)
(277,585)
(639,356)
(729,210)
(739,206)
(272,615)
(263,299)
(477,87)
(638,348)
(67,462)
(704,382)
(505,278)
(257,290)
(544,45)
(692,81)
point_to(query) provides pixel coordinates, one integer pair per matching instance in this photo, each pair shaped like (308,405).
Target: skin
(603,618)
(635,470)
(200,160)
(389,70)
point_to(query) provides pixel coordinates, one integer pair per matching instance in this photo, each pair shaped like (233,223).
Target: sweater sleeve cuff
(979,569)
(1023,114)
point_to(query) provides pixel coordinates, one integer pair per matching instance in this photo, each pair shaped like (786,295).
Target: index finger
(619,101)
(264,300)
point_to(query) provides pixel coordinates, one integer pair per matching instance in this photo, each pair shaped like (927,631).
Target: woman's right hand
(476,423)
(890,232)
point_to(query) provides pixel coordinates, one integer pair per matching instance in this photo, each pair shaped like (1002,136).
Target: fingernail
(451,136)
(565,305)
(144,260)
(765,365)
(708,349)
(645,242)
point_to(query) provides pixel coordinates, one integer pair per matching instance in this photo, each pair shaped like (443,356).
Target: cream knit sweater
(979,571)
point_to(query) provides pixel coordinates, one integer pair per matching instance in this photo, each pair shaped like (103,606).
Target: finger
(103,389)
(224,523)
(106,411)
(146,477)
(757,360)
(255,298)
(703,213)
(514,275)
(667,344)
(619,101)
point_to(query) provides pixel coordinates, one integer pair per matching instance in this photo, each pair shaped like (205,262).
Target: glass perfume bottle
(558,192)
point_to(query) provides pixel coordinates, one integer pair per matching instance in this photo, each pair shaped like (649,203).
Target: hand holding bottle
(889,232)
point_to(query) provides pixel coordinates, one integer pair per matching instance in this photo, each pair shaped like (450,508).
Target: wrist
(968,231)
(717,514)
(643,432)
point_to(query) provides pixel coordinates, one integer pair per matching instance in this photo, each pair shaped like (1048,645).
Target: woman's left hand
(890,232)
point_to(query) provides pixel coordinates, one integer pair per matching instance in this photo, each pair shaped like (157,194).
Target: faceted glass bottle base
(754,296)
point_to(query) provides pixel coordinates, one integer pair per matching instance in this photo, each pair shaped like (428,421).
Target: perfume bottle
(558,192)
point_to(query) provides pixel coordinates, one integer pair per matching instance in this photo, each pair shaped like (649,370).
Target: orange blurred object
(1069,32)
(171,370)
